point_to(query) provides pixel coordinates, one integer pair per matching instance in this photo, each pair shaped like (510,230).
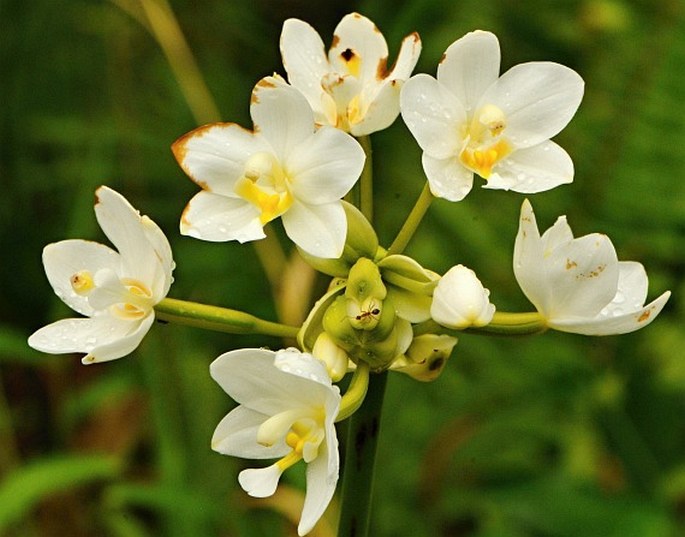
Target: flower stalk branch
(219,319)
(503,323)
(412,222)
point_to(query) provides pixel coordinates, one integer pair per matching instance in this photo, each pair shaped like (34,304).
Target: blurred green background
(551,436)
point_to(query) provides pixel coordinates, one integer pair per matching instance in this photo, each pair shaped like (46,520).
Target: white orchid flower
(287,410)
(115,290)
(578,284)
(460,300)
(471,120)
(351,89)
(286,167)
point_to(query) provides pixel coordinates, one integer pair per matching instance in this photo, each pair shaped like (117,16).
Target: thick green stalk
(219,319)
(412,222)
(359,463)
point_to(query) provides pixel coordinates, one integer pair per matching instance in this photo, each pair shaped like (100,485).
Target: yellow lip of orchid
(484,143)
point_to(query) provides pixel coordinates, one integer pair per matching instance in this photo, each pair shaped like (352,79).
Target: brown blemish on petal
(335,41)
(180,147)
(265,83)
(442,58)
(644,316)
(382,68)
(184,217)
(570,264)
(592,274)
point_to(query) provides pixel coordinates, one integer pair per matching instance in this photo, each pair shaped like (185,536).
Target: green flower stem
(360,456)
(219,319)
(366,181)
(503,323)
(354,396)
(412,222)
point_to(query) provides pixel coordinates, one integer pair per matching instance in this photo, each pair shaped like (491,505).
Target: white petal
(304,59)
(582,277)
(123,226)
(214,155)
(250,378)
(447,178)
(295,362)
(470,65)
(358,35)
(538,100)
(236,435)
(118,347)
(528,255)
(322,478)
(108,290)
(281,114)
(381,109)
(619,324)
(260,482)
(161,281)
(632,289)
(319,230)
(212,217)
(325,166)
(410,50)
(102,338)
(534,169)
(560,233)
(433,114)
(65,258)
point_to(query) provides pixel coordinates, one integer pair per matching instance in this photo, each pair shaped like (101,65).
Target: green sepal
(313,324)
(406,273)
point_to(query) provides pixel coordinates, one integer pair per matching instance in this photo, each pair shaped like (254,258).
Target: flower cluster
(383,311)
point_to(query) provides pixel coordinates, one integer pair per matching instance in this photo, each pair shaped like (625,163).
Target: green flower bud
(409,285)
(407,274)
(426,357)
(364,282)
(334,357)
(378,346)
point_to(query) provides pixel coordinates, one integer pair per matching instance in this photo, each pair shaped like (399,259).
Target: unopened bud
(335,358)
(426,357)
(460,300)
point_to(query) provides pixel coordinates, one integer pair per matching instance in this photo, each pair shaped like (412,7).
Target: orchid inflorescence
(383,310)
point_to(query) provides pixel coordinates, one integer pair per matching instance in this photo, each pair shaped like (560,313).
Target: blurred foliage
(550,436)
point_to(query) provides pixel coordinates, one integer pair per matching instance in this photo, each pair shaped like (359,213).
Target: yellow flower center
(136,301)
(484,143)
(131,300)
(265,184)
(352,61)
(82,282)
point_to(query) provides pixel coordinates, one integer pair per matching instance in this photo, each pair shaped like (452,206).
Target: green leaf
(24,488)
